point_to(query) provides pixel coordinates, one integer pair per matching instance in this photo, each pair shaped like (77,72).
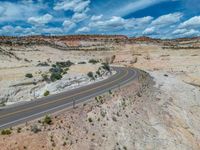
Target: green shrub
(64,64)
(90,75)
(90,119)
(47,120)
(93,61)
(82,62)
(6,132)
(43,64)
(45,77)
(29,75)
(65,71)
(106,67)
(46,93)
(19,130)
(98,73)
(55,76)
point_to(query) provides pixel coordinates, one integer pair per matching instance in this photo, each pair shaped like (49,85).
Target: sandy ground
(161,112)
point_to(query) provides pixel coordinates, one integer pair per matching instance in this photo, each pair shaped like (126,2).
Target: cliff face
(82,42)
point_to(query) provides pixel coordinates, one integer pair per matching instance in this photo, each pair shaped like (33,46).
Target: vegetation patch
(6,132)
(47,120)
(46,93)
(93,61)
(29,75)
(91,75)
(59,69)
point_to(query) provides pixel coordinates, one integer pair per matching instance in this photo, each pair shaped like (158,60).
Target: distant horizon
(163,19)
(129,37)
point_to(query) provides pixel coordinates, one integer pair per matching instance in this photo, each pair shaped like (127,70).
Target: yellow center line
(54,101)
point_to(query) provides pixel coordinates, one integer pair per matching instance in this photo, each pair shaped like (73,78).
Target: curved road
(40,107)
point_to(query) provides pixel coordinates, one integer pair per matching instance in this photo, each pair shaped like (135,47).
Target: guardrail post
(74,103)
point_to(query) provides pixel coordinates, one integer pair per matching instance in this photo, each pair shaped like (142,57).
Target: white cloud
(185,33)
(52,30)
(119,23)
(18,11)
(167,20)
(68,25)
(190,33)
(10,30)
(35,30)
(40,20)
(96,18)
(73,5)
(113,23)
(179,31)
(138,23)
(78,17)
(83,30)
(134,6)
(149,31)
(193,22)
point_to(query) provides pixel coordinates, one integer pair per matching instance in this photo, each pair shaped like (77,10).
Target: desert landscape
(159,110)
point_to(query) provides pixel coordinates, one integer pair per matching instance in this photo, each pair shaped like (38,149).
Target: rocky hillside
(71,42)
(158,111)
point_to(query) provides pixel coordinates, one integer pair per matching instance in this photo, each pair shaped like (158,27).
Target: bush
(29,75)
(45,77)
(65,71)
(47,120)
(64,64)
(6,132)
(90,119)
(106,67)
(90,75)
(43,64)
(98,73)
(93,61)
(82,62)
(55,76)
(19,130)
(35,129)
(46,93)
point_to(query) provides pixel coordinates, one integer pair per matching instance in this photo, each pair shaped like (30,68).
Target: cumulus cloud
(53,30)
(185,33)
(83,30)
(190,33)
(69,16)
(112,23)
(68,25)
(149,31)
(78,17)
(8,29)
(167,20)
(35,30)
(138,23)
(118,23)
(75,5)
(96,18)
(193,22)
(179,31)
(18,11)
(40,20)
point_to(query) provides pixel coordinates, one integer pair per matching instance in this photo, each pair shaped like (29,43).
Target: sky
(134,18)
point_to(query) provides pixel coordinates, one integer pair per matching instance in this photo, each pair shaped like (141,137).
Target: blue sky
(153,18)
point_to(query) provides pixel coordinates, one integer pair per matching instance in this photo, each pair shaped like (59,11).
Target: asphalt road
(15,115)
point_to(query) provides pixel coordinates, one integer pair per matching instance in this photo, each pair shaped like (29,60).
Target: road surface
(12,116)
